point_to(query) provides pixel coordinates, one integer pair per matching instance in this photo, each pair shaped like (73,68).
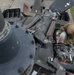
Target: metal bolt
(16,26)
(32,42)
(27,31)
(20,70)
(31,56)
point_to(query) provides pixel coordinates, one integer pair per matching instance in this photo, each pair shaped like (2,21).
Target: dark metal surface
(9,48)
(37,6)
(41,28)
(16,56)
(32,23)
(44,24)
(2,22)
(14,14)
(50,30)
(61,5)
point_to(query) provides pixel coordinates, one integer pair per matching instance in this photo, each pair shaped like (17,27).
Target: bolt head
(20,70)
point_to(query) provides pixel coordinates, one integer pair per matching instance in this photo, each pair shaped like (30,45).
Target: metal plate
(25,55)
(61,5)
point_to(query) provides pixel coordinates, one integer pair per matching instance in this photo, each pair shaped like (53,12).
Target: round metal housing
(17,51)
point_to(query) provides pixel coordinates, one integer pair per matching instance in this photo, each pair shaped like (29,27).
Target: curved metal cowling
(17,50)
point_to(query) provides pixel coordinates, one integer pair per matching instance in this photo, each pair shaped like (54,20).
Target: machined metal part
(37,6)
(50,30)
(17,50)
(41,29)
(5,32)
(12,15)
(2,22)
(33,22)
(44,24)
(61,6)
(31,51)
